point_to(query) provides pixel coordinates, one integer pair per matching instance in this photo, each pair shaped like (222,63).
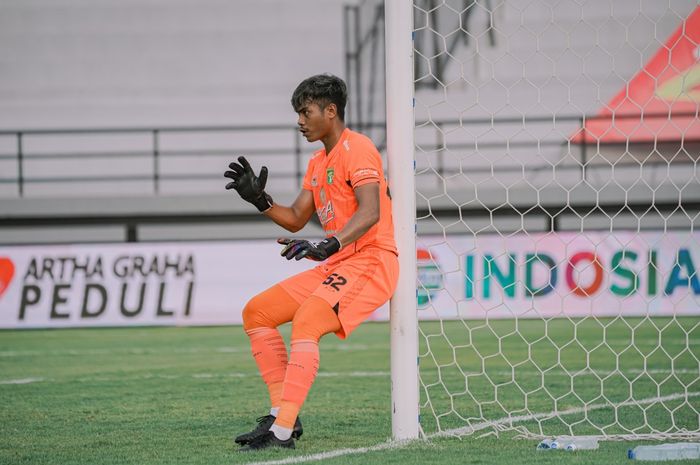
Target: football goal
(543,161)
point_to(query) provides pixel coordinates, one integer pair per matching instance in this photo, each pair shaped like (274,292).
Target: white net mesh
(557,183)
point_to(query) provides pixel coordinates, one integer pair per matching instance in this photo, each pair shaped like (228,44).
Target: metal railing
(580,141)
(154,151)
(291,163)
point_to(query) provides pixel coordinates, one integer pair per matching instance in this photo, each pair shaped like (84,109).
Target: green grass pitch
(179,395)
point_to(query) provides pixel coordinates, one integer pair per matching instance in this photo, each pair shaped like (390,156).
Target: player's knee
(254,315)
(314,319)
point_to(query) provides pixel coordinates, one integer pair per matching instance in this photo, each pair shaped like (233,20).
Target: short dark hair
(321,89)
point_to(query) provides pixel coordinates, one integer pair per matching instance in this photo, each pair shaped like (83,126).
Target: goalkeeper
(358,266)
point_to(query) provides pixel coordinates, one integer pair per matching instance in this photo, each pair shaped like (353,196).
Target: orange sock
(270,355)
(301,373)
(261,315)
(275,391)
(287,415)
(314,318)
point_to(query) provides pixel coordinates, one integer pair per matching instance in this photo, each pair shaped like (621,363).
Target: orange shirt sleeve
(364,165)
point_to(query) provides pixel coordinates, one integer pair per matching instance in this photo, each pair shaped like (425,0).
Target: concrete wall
(95,63)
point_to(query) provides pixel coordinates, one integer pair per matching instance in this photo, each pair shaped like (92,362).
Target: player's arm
(365,217)
(295,217)
(251,188)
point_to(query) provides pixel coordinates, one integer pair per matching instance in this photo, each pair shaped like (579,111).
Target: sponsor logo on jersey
(325,213)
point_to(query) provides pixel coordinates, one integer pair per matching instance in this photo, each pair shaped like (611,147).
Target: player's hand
(300,248)
(250,187)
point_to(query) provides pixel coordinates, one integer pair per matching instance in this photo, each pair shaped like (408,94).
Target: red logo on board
(7,271)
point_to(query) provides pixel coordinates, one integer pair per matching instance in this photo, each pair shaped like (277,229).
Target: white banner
(559,274)
(136,284)
(528,276)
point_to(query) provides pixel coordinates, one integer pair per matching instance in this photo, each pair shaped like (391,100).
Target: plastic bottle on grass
(546,444)
(569,443)
(673,451)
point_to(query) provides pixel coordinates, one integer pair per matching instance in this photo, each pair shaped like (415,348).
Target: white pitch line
(338,453)
(353,374)
(182,350)
(202,376)
(464,431)
(330,374)
(21,381)
(322,374)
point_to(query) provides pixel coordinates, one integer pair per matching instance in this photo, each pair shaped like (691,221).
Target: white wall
(97,63)
(94,63)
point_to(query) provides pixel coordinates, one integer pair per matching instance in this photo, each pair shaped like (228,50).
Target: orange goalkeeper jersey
(332,178)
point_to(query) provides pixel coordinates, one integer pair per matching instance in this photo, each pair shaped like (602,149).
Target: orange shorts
(355,287)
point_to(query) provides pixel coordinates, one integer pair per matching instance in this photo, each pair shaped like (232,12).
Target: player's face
(314,122)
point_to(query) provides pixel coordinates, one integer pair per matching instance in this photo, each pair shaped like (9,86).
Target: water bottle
(673,451)
(546,444)
(569,443)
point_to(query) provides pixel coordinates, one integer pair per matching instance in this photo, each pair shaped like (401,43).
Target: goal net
(557,190)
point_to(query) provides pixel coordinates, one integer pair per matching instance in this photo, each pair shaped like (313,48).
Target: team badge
(330,172)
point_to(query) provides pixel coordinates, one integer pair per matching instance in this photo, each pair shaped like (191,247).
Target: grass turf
(178,395)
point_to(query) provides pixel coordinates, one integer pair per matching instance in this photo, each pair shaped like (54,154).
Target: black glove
(250,187)
(300,248)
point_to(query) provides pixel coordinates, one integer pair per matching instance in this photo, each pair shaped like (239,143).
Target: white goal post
(403,311)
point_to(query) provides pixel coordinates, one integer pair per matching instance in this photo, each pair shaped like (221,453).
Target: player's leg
(261,317)
(314,318)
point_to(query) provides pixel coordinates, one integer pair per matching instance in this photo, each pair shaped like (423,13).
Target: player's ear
(331,110)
